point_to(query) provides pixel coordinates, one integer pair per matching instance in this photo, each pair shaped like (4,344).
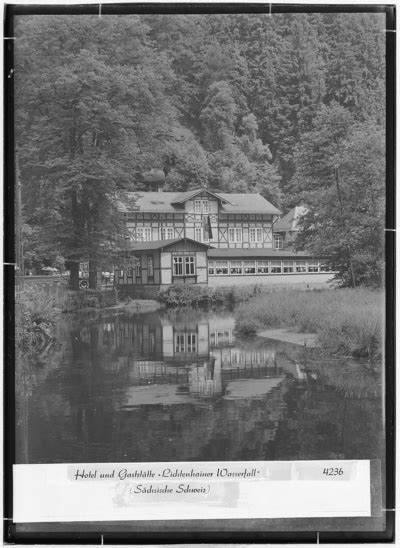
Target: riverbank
(180,295)
(345,322)
(138,306)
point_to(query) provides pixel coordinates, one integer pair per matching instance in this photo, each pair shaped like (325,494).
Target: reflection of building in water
(199,357)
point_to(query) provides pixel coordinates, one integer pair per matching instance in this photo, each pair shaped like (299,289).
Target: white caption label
(197,490)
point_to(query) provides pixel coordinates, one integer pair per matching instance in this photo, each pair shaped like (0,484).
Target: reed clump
(346,321)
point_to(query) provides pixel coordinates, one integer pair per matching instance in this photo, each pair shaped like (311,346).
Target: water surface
(176,386)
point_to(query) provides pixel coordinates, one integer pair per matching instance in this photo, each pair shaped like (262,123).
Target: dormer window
(201,206)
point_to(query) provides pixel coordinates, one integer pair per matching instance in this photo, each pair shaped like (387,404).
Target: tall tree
(340,176)
(90,114)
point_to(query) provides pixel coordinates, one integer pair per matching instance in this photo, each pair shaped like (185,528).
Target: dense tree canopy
(291,106)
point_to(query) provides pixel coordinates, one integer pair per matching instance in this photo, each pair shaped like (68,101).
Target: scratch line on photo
(100,10)
(389,229)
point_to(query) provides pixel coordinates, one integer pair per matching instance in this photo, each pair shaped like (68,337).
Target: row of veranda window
(240,268)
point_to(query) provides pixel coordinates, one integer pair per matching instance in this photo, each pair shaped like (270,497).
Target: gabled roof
(248,203)
(184,196)
(166,202)
(162,244)
(290,221)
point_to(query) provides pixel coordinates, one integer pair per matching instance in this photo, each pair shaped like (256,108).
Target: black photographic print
(199,273)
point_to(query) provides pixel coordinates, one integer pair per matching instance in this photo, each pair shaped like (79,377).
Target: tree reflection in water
(179,386)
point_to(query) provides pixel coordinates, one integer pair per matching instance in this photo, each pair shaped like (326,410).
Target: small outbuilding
(152,265)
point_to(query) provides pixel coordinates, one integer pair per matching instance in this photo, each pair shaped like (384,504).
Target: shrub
(35,313)
(90,298)
(197,295)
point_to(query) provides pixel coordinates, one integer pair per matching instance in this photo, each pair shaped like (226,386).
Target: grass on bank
(346,321)
(178,295)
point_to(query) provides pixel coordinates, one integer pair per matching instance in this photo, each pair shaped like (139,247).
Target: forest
(291,106)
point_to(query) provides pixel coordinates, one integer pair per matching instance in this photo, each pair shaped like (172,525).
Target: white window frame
(211,268)
(235,235)
(177,265)
(221,265)
(191,343)
(198,233)
(249,265)
(262,265)
(190,265)
(205,206)
(275,264)
(255,235)
(167,233)
(300,267)
(312,266)
(197,206)
(278,238)
(288,267)
(143,234)
(179,343)
(235,265)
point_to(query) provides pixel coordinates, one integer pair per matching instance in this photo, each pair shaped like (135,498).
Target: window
(149,265)
(121,271)
(276,267)
(183,266)
(262,267)
(221,268)
(236,267)
(249,267)
(235,235)
(287,267)
(278,241)
(178,266)
(189,266)
(211,268)
(138,268)
(256,235)
(201,206)
(312,266)
(185,342)
(191,343)
(167,233)
(179,343)
(301,266)
(198,234)
(323,267)
(143,234)
(129,272)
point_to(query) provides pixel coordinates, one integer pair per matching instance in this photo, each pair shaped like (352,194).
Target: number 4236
(333,472)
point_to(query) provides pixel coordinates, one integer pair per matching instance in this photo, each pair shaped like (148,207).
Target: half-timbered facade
(220,220)
(212,238)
